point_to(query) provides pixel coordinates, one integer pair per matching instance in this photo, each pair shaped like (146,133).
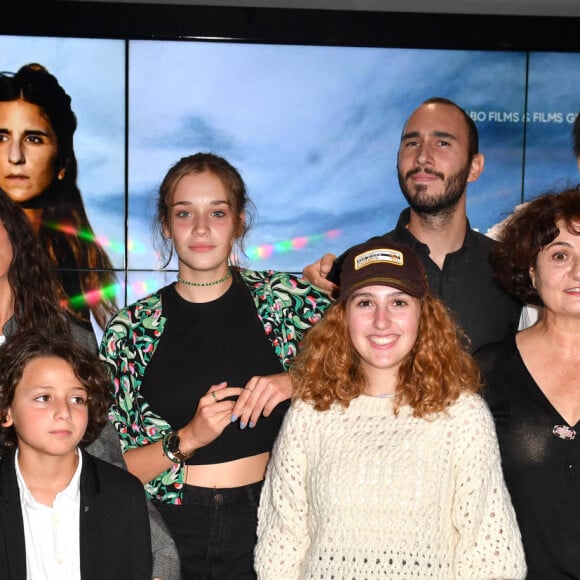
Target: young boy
(63,513)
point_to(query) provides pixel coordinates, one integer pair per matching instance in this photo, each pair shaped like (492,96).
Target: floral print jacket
(286,305)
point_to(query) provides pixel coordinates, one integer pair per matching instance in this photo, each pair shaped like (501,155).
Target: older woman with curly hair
(387,463)
(533,382)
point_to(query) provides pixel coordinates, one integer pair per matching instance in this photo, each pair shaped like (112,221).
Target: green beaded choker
(199,284)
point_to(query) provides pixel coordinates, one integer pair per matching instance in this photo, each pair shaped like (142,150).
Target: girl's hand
(211,417)
(259,397)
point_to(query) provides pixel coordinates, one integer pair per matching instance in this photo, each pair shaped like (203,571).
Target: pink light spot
(266,250)
(299,243)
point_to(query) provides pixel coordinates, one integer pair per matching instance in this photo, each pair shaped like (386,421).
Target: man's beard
(431,205)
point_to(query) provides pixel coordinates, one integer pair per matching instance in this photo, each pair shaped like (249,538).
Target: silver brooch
(564,432)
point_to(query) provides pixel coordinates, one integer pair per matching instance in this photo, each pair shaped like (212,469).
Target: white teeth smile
(382,340)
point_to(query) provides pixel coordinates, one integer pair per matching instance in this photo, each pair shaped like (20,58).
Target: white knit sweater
(364,494)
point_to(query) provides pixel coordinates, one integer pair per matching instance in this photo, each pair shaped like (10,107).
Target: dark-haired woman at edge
(31,298)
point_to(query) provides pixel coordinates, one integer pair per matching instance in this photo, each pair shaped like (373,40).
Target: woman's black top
(541,463)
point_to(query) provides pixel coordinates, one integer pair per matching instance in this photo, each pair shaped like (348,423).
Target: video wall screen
(314,131)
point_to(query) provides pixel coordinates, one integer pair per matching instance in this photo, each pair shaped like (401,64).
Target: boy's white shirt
(51,534)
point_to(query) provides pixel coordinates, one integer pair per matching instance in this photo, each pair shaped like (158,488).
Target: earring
(60,175)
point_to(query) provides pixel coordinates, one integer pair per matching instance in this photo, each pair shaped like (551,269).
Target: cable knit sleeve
(283,537)
(489,544)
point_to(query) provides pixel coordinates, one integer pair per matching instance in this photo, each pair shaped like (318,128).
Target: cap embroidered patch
(379,256)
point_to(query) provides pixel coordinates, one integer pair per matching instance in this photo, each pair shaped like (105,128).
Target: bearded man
(438,156)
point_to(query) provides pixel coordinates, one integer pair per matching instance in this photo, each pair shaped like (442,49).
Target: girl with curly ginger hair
(431,377)
(387,463)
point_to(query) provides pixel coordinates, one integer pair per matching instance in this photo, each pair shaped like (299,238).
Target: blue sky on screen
(313,130)
(554,101)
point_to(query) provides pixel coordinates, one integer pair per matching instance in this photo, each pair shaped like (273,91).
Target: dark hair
(576,136)
(65,230)
(25,346)
(473,135)
(195,164)
(36,294)
(526,232)
(327,368)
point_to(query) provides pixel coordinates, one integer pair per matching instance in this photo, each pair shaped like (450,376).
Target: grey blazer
(166,563)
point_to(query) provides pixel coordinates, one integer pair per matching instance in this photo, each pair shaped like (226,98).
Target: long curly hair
(36,295)
(65,231)
(328,370)
(526,232)
(26,345)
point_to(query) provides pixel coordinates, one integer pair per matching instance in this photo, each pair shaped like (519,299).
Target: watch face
(173,443)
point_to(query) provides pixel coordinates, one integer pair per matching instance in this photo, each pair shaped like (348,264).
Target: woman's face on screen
(28,151)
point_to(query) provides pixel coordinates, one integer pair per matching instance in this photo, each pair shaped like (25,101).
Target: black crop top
(204,344)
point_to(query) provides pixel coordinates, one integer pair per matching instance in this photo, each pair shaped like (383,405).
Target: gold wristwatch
(171,448)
